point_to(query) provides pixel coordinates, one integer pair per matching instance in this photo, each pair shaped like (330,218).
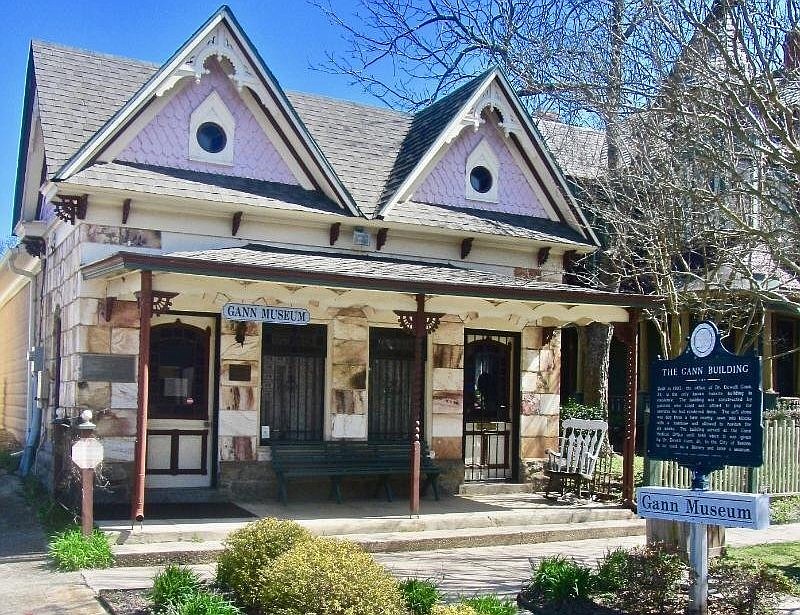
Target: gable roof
(88,152)
(370,150)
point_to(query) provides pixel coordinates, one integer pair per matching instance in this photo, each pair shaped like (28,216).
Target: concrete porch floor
(380,526)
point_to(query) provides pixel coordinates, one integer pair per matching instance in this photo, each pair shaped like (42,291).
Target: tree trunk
(595,364)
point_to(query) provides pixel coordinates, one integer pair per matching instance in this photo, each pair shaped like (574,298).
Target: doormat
(173,510)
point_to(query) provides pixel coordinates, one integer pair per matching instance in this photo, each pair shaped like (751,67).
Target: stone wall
(447,389)
(540,386)
(349,331)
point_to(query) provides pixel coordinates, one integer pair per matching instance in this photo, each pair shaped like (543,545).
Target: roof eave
(24,140)
(122,262)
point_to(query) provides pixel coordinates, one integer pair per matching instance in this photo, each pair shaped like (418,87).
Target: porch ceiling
(368,272)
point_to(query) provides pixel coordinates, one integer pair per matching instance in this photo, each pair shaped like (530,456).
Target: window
(179,371)
(391,384)
(482,173)
(211,132)
(481,179)
(211,137)
(293,383)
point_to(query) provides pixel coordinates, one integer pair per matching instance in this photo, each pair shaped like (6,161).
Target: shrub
(328,576)
(491,605)
(610,576)
(172,587)
(573,410)
(453,609)
(746,587)
(784,510)
(420,595)
(71,550)
(558,579)
(249,550)
(644,580)
(207,603)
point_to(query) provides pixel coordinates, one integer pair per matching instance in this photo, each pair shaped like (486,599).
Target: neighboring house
(178,189)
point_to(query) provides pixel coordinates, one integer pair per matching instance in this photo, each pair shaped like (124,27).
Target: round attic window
(211,137)
(480,178)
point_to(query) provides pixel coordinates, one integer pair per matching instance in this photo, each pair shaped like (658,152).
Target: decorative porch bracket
(419,323)
(69,208)
(161,300)
(628,334)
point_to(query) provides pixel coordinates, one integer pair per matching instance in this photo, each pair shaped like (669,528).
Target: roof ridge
(356,103)
(90,52)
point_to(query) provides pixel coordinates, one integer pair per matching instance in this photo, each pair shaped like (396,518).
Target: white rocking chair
(576,456)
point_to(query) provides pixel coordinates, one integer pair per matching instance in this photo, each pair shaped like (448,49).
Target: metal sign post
(706,413)
(87,453)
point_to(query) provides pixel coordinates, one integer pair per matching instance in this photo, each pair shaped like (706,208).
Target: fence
(779,474)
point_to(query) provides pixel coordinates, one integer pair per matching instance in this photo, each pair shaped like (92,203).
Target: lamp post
(87,453)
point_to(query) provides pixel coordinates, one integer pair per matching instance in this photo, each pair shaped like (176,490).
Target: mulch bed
(533,603)
(126,601)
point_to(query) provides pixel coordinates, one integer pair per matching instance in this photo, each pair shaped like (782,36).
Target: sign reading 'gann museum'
(265,313)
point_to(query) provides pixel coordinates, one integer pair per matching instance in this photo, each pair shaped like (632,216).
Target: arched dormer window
(211,132)
(482,174)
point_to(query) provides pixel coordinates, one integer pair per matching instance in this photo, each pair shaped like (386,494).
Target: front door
(179,433)
(491,382)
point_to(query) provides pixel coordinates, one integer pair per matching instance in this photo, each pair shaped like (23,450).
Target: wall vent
(361,237)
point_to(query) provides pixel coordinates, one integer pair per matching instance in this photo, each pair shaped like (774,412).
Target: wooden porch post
(140,451)
(416,403)
(630,336)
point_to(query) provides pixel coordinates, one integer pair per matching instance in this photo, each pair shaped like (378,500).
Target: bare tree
(698,112)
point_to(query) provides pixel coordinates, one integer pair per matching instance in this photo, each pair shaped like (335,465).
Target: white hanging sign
(726,508)
(87,453)
(265,313)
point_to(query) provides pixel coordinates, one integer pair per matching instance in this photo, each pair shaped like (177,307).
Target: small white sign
(265,432)
(265,313)
(726,508)
(87,453)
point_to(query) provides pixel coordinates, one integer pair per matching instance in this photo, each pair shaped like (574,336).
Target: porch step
(210,531)
(494,488)
(161,553)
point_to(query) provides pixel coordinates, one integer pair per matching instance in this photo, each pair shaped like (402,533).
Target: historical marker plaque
(108,367)
(706,406)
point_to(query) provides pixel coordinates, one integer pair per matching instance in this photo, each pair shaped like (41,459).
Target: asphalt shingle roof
(488,222)
(370,266)
(371,149)
(78,92)
(361,142)
(203,186)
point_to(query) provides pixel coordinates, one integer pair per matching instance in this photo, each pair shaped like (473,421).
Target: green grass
(420,595)
(53,516)
(491,605)
(71,550)
(782,556)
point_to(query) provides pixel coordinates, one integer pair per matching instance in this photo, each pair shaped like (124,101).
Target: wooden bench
(577,454)
(340,459)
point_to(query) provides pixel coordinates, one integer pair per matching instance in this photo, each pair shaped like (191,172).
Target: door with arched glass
(491,403)
(181,401)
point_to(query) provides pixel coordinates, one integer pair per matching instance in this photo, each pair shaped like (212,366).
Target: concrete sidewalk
(30,586)
(502,569)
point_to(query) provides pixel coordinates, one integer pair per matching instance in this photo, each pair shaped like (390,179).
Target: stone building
(154,201)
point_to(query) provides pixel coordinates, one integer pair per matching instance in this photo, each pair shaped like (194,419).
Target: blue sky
(291,35)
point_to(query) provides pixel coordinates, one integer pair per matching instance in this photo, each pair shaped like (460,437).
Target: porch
(469,359)
(454,521)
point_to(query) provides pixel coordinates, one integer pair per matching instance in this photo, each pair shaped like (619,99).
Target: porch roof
(368,272)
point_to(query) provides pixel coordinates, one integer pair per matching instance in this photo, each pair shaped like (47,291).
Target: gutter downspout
(34,412)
